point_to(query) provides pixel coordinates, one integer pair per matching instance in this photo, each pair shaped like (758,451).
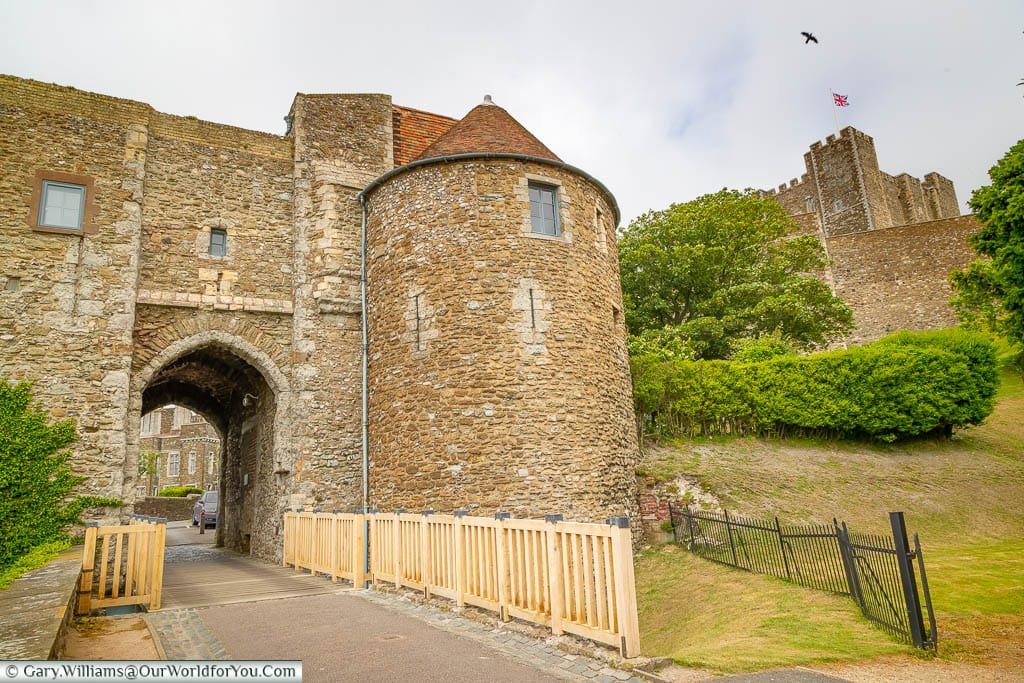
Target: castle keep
(149,259)
(891,240)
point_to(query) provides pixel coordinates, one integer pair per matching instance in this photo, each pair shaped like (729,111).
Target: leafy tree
(990,291)
(35,479)
(723,267)
(149,461)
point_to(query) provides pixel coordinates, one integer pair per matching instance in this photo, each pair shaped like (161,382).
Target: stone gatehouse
(149,259)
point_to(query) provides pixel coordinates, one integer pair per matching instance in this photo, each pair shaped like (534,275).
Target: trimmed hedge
(179,491)
(906,385)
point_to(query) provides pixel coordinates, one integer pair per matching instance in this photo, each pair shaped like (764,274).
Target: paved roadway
(221,605)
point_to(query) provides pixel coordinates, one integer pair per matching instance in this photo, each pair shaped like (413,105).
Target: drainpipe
(362,298)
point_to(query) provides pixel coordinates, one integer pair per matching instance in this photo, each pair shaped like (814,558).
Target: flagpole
(835,109)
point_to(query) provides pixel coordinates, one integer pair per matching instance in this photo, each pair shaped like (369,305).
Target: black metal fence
(877,571)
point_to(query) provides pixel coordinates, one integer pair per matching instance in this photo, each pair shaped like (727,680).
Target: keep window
(218,242)
(61,205)
(544,210)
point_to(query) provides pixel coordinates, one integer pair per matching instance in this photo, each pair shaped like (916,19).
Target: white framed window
(192,462)
(61,205)
(218,242)
(209,464)
(544,218)
(173,464)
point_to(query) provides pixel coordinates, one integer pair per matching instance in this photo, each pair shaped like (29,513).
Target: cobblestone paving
(540,654)
(183,635)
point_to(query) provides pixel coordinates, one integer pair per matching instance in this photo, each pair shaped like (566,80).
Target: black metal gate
(877,571)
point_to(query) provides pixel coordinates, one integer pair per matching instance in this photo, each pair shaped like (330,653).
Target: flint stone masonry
(517,404)
(899,278)
(264,342)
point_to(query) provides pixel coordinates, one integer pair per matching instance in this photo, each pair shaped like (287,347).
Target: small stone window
(173,464)
(218,242)
(61,205)
(837,206)
(809,204)
(544,210)
(192,462)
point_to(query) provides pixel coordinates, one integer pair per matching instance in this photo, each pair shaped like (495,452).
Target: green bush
(179,491)
(906,385)
(36,505)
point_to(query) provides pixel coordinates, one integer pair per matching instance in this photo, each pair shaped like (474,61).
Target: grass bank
(965,496)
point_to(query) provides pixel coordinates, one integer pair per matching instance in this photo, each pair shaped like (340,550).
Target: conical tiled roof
(488,128)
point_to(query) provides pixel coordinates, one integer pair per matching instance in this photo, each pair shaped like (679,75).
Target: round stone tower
(498,375)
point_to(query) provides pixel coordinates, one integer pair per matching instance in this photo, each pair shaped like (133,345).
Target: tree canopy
(990,291)
(724,267)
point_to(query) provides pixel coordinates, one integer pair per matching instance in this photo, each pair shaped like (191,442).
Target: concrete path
(218,605)
(200,575)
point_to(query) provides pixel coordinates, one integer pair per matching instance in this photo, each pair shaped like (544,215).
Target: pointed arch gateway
(240,390)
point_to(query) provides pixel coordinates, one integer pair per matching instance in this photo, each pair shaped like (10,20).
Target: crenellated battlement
(855,195)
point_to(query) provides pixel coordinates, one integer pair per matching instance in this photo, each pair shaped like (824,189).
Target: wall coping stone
(37,608)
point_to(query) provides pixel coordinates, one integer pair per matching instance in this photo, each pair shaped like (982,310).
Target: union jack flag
(840,100)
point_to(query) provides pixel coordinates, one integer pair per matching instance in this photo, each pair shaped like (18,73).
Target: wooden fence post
(88,566)
(361,539)
(625,587)
(287,537)
(158,566)
(503,587)
(556,588)
(425,554)
(396,549)
(460,558)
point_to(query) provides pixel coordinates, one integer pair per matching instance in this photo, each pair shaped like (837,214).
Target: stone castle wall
(498,381)
(132,312)
(898,278)
(67,304)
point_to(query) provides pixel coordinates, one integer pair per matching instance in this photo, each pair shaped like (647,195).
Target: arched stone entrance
(239,390)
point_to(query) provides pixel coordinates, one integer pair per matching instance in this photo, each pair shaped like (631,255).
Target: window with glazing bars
(62,205)
(218,242)
(544,210)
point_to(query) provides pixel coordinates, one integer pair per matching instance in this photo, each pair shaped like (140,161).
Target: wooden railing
(123,565)
(573,577)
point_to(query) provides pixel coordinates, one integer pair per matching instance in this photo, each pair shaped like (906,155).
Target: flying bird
(809,37)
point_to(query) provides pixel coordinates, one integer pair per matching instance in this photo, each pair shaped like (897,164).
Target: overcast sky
(662,101)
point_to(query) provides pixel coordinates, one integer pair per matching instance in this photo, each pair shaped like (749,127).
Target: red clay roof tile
(414,130)
(487,128)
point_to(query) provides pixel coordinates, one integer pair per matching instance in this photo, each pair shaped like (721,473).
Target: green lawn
(707,615)
(965,496)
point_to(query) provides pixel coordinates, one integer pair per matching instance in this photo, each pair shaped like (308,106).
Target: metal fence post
(903,558)
(782,549)
(849,563)
(732,545)
(689,525)
(933,641)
